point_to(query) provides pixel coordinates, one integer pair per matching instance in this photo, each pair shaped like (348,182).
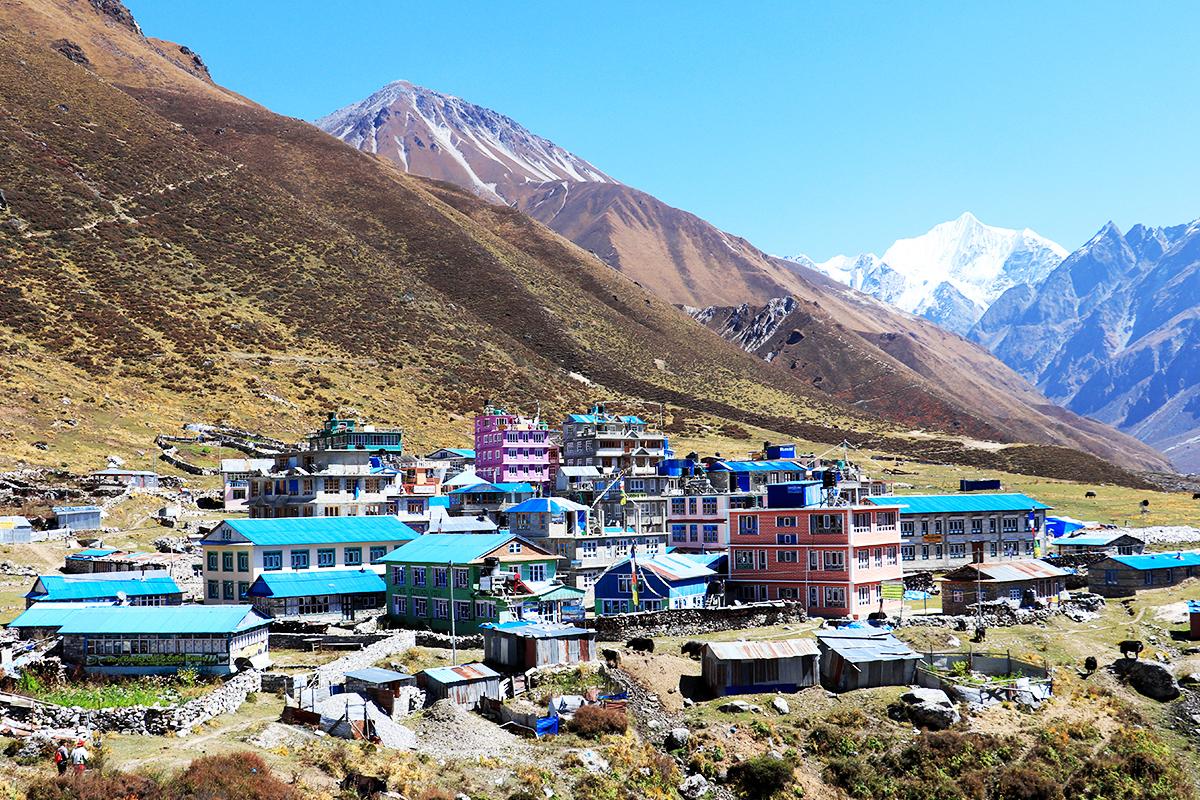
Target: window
(908,552)
(958,550)
(814,560)
(976,525)
(587,547)
(678,507)
(227,562)
(825,524)
(924,552)
(885,520)
(441,576)
(710,534)
(708,506)
(1111,577)
(1014,593)
(748,525)
(326,557)
(891,556)
(835,596)
(992,549)
(514,547)
(352,556)
(462,578)
(862,521)
(377,552)
(299,559)
(956,595)
(743,559)
(273,559)
(955,527)
(864,595)
(835,560)
(441,609)
(878,556)
(419,607)
(333,511)
(227,590)
(864,558)
(787,556)
(212,590)
(937,551)
(785,522)
(399,604)
(1170,577)
(242,588)
(418,574)
(398,576)
(243,562)
(333,485)
(537,572)
(694,531)
(462,610)
(214,561)
(907,529)
(485,609)
(679,533)
(1009,524)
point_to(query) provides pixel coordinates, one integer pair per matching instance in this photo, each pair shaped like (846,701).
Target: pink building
(510,448)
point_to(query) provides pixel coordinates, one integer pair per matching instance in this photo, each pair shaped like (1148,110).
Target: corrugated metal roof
(48,614)
(1006,571)
(1093,539)
(461,548)
(580,472)
(462,673)
(92,553)
(547,505)
(745,651)
(377,675)
(1159,560)
(859,646)
(163,619)
(302,584)
(538,630)
(961,503)
(316,530)
(755,466)
(669,567)
(61,587)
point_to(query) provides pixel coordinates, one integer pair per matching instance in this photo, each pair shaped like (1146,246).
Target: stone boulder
(677,739)
(735,707)
(930,708)
(781,706)
(1148,678)
(694,787)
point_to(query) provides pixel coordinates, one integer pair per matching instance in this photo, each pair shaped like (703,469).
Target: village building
(465,685)
(380,686)
(668,580)
(752,476)
(440,521)
(15,530)
(946,531)
(139,640)
(1018,581)
(333,596)
(519,646)
(477,578)
(154,588)
(492,500)
(732,668)
(42,620)
(699,523)
(235,479)
(181,567)
(1124,576)
(859,657)
(613,444)
(511,448)
(833,559)
(78,518)
(1114,543)
(238,551)
(115,476)
(456,459)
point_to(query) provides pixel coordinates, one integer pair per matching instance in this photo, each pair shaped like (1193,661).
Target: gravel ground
(1165,534)
(447,731)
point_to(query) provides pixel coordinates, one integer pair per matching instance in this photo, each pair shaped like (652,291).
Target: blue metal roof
(755,466)
(461,674)
(92,553)
(303,584)
(1158,560)
(483,487)
(377,675)
(51,615)
(960,503)
(316,530)
(440,548)
(61,587)
(595,418)
(1093,539)
(547,505)
(163,619)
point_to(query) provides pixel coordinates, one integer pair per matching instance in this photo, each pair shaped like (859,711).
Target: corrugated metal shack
(465,684)
(15,530)
(78,518)
(518,646)
(755,667)
(862,657)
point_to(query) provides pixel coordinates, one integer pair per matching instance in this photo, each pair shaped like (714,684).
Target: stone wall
(1000,614)
(304,641)
(152,720)
(693,621)
(442,640)
(335,671)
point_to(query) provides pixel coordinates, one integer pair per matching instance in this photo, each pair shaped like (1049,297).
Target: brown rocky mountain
(174,252)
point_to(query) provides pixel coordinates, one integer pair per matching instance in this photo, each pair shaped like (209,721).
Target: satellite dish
(122,598)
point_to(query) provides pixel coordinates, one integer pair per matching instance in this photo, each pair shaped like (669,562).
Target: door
(977,552)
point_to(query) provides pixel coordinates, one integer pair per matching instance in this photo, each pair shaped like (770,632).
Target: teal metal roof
(303,584)
(52,615)
(461,548)
(163,619)
(960,503)
(755,466)
(92,553)
(551,505)
(60,587)
(483,487)
(1158,560)
(316,530)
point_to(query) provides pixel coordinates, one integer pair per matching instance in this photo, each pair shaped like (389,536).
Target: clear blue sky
(806,127)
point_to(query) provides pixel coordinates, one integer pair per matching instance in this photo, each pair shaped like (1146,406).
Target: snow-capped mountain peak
(950,274)
(442,136)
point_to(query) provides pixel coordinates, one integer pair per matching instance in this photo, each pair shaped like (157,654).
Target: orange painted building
(833,559)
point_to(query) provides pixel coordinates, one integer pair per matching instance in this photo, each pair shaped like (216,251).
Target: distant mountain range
(950,275)
(1113,333)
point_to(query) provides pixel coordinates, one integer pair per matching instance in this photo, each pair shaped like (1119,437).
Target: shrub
(229,777)
(93,785)
(592,721)
(762,776)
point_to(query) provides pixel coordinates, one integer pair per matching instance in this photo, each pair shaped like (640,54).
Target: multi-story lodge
(612,444)
(834,559)
(511,448)
(947,531)
(237,552)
